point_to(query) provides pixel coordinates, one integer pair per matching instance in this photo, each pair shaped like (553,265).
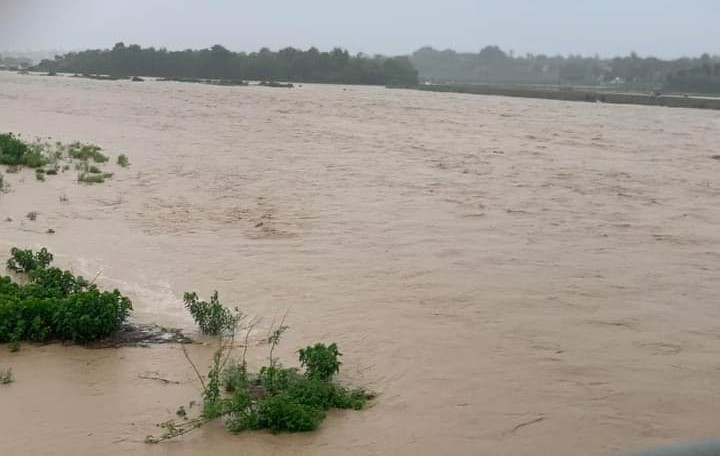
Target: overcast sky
(665,28)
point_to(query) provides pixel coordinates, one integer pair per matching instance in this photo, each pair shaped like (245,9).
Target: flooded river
(511,276)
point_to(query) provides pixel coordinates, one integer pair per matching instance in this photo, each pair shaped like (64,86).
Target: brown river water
(511,276)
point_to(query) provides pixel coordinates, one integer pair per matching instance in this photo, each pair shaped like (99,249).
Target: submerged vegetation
(51,159)
(45,303)
(212,317)
(282,399)
(6,376)
(217,62)
(49,303)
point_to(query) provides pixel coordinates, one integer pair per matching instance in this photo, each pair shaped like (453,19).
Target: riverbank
(577,94)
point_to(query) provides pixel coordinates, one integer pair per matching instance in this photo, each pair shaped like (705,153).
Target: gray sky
(609,27)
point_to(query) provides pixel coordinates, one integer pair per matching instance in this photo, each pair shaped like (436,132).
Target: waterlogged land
(509,275)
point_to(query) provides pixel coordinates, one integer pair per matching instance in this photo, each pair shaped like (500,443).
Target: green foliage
(284,413)
(274,379)
(86,152)
(703,78)
(212,317)
(46,157)
(276,398)
(320,361)
(212,406)
(235,377)
(16,153)
(242,414)
(55,304)
(12,150)
(25,261)
(350,398)
(123,161)
(6,376)
(218,65)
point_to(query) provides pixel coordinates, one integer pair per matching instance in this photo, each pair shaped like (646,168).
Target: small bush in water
(212,317)
(276,398)
(55,304)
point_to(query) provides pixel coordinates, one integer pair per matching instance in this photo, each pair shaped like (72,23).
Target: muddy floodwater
(510,276)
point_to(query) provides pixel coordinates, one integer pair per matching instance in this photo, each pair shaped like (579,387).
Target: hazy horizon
(661,28)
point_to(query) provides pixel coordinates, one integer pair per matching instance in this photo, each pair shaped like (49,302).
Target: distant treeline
(15,62)
(217,62)
(493,65)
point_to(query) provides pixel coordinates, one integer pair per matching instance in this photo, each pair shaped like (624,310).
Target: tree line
(217,62)
(15,62)
(489,65)
(493,65)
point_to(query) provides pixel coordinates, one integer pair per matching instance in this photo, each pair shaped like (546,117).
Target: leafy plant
(12,150)
(212,317)
(55,304)
(86,152)
(123,161)
(26,261)
(277,398)
(320,361)
(284,413)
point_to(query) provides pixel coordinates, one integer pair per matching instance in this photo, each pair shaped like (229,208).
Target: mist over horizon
(663,29)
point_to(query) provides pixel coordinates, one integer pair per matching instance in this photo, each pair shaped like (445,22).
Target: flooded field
(511,276)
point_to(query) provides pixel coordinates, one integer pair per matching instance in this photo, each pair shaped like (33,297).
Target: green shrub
(283,413)
(55,304)
(242,415)
(349,398)
(123,161)
(274,379)
(26,261)
(234,377)
(86,152)
(276,398)
(212,317)
(35,158)
(94,170)
(12,150)
(320,361)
